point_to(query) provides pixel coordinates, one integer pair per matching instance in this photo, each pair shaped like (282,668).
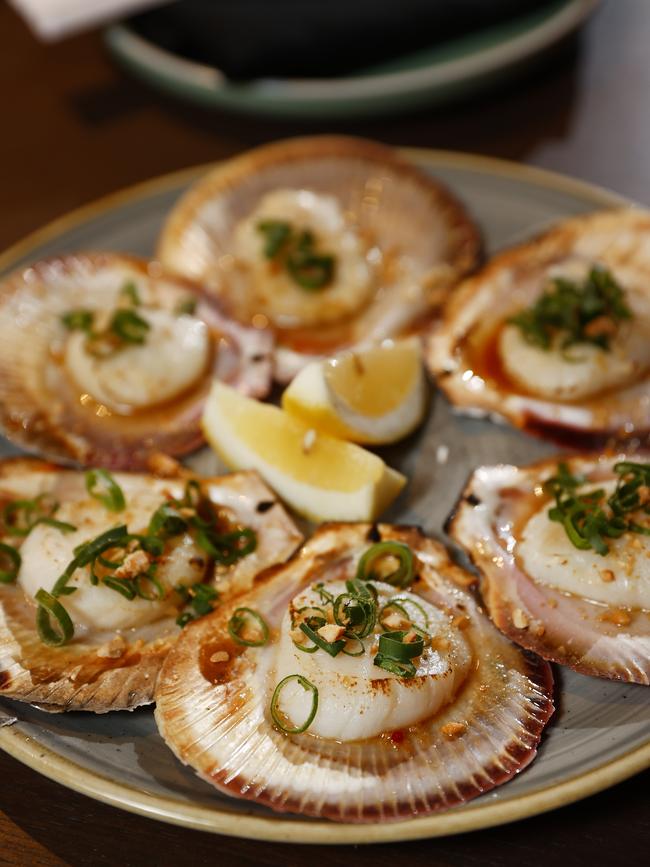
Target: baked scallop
(554,334)
(331,241)
(360,682)
(99,571)
(104,359)
(563,548)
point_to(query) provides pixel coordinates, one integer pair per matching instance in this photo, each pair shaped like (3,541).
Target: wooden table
(75,127)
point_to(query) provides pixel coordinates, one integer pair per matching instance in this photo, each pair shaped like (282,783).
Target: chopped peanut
(519,619)
(220,656)
(163,465)
(134,564)
(112,649)
(395,620)
(331,632)
(607,575)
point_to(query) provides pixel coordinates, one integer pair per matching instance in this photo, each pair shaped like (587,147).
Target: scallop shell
(103,672)
(41,409)
(565,628)
(477,385)
(404,211)
(216,724)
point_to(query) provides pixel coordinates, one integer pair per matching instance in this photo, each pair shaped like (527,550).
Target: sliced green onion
(89,551)
(50,608)
(19,517)
(311,270)
(227,548)
(184,618)
(361,647)
(275,701)
(148,587)
(358,614)
(395,605)
(238,622)
(186,307)
(166,522)
(130,291)
(392,645)
(324,594)
(400,577)
(202,596)
(78,320)
(403,602)
(129,326)
(276,234)
(101,485)
(361,588)
(331,647)
(10,561)
(120,585)
(311,648)
(401,669)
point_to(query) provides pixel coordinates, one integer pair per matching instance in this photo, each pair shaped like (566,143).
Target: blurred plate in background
(444,72)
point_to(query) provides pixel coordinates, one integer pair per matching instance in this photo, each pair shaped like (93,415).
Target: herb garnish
(588,312)
(591,518)
(101,485)
(200,597)
(126,562)
(126,326)
(395,652)
(10,561)
(19,517)
(308,686)
(239,627)
(400,577)
(296,251)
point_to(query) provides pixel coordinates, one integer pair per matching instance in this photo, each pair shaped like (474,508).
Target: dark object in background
(314,38)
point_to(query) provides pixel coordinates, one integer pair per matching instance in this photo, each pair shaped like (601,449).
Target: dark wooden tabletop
(76,127)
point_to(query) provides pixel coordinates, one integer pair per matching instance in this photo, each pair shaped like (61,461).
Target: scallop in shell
(565,568)
(332,241)
(104,359)
(554,334)
(347,731)
(129,555)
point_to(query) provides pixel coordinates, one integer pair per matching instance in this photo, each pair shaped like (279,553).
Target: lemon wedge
(321,477)
(374,395)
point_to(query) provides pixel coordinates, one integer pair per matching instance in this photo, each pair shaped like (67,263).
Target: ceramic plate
(601,731)
(435,75)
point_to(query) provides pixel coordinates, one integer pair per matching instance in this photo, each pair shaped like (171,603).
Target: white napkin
(53,19)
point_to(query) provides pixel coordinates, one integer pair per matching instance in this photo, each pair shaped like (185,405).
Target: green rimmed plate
(435,75)
(601,732)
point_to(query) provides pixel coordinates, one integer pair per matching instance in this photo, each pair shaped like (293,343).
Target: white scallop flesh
(46,553)
(584,369)
(357,699)
(270,289)
(619,578)
(173,356)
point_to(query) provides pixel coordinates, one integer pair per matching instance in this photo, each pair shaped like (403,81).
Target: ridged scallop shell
(224,731)
(619,240)
(82,675)
(42,410)
(402,208)
(565,628)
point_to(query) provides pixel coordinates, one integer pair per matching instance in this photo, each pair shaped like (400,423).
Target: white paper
(54,19)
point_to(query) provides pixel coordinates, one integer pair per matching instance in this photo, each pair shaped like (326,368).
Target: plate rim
(54,766)
(207,84)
